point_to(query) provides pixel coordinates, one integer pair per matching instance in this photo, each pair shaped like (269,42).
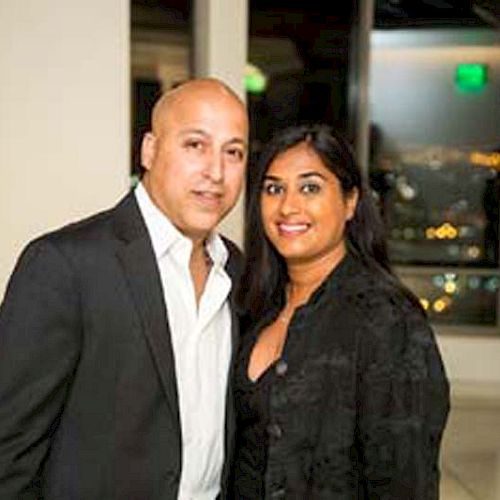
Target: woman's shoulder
(379,301)
(389,320)
(377,287)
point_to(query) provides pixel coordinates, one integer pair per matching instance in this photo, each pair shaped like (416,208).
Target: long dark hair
(265,274)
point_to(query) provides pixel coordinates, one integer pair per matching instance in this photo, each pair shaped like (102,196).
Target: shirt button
(278,494)
(274,430)
(281,367)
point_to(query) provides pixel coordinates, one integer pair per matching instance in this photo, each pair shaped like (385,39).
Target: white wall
(472,359)
(64,115)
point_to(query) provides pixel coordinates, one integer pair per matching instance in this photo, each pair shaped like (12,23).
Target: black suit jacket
(88,398)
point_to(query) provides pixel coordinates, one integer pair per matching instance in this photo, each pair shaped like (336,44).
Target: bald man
(117,332)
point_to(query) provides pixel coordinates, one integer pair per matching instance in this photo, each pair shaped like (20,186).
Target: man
(116,333)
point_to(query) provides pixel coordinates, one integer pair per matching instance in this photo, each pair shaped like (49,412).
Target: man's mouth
(208,197)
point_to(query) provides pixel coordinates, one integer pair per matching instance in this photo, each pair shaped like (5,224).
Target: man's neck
(199,266)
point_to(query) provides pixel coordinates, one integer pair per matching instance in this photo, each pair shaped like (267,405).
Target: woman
(340,389)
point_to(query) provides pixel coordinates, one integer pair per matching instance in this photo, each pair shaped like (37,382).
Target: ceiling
(388,13)
(417,13)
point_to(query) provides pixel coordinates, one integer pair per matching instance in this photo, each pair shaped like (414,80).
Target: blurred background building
(415,85)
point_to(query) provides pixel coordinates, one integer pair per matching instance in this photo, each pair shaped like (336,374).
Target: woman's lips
(292,229)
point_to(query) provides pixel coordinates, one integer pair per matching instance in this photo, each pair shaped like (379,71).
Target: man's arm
(39,348)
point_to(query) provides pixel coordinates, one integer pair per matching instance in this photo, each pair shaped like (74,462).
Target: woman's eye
(272,189)
(310,188)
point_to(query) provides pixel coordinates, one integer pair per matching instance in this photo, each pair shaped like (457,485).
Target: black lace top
(252,421)
(358,408)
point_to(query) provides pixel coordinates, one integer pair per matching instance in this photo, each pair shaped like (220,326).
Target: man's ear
(148,150)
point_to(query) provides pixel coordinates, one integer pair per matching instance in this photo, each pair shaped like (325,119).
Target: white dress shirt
(201,340)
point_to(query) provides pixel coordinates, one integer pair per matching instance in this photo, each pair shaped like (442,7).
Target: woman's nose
(290,203)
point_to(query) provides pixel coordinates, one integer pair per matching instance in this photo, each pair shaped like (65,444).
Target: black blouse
(252,421)
(357,408)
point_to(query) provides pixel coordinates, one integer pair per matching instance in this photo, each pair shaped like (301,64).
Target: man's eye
(194,144)
(272,189)
(236,154)
(310,188)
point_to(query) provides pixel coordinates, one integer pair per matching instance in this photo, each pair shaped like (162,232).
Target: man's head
(195,155)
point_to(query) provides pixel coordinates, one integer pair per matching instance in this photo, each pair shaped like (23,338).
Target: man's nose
(215,168)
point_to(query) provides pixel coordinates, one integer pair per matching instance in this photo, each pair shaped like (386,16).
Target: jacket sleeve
(39,349)
(402,408)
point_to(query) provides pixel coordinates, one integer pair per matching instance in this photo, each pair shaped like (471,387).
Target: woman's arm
(403,407)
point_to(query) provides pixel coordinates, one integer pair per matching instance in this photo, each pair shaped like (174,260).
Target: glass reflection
(440,205)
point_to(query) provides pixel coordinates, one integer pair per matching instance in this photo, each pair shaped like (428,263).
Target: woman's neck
(305,277)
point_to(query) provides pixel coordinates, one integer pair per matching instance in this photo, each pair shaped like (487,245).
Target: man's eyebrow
(237,140)
(204,133)
(197,131)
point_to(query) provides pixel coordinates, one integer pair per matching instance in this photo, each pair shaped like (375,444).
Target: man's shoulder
(100,227)
(85,246)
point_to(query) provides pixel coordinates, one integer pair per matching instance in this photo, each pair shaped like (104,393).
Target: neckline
(263,376)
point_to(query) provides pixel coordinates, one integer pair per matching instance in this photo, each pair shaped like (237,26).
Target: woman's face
(304,211)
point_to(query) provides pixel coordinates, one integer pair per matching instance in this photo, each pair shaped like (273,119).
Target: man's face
(195,159)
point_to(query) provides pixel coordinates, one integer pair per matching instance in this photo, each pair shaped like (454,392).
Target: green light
(255,83)
(471,77)
(134,180)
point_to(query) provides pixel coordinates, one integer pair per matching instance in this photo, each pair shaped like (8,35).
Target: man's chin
(200,231)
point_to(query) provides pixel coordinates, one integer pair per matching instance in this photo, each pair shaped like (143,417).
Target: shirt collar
(164,234)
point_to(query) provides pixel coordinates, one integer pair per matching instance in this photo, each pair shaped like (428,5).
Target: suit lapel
(140,268)
(232,268)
